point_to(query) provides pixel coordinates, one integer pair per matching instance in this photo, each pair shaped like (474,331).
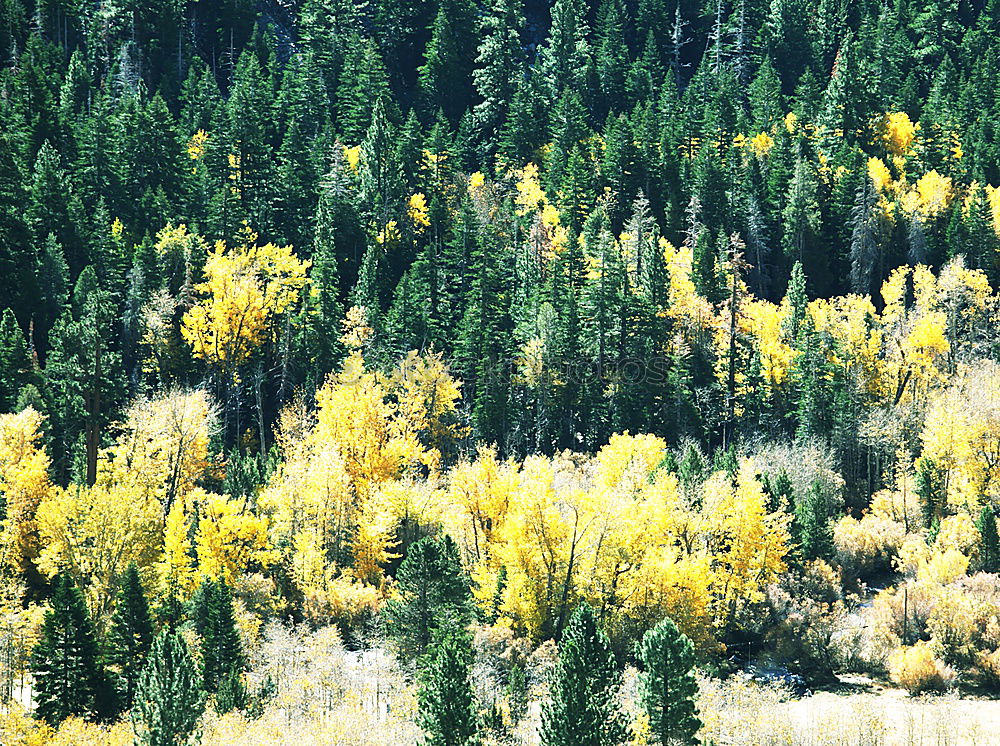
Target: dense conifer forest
(589,372)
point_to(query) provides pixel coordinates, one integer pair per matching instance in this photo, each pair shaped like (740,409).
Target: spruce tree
(667,686)
(583,707)
(812,525)
(499,64)
(989,541)
(433,594)
(131,635)
(215,623)
(169,700)
(447,706)
(15,363)
(930,487)
(65,665)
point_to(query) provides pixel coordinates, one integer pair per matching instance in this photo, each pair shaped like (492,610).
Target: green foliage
(583,707)
(130,636)
(221,649)
(169,700)
(989,541)
(68,676)
(667,686)
(447,707)
(433,595)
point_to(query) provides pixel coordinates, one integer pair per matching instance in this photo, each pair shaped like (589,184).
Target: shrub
(916,669)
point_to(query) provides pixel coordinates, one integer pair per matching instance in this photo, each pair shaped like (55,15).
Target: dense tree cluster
(502,183)
(655,328)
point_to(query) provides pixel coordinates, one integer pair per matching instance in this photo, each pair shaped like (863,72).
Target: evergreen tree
(667,686)
(222,651)
(445,78)
(812,525)
(169,700)
(433,594)
(931,490)
(447,708)
(83,373)
(15,364)
(131,635)
(989,541)
(65,665)
(583,707)
(499,65)
(564,62)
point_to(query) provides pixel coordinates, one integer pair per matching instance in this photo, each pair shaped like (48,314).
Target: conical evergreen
(130,636)
(583,707)
(65,664)
(169,700)
(447,707)
(433,594)
(667,686)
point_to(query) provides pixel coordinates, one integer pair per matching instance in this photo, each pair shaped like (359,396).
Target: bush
(916,669)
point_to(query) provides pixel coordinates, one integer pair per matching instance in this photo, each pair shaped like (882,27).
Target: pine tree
(131,635)
(445,78)
(169,700)
(499,66)
(583,707)
(433,594)
(15,364)
(667,686)
(447,707)
(68,677)
(564,61)
(989,541)
(84,373)
(222,651)
(811,525)
(931,490)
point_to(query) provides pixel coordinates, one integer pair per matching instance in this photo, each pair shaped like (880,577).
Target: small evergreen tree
(131,635)
(169,700)
(667,687)
(447,708)
(812,525)
(222,651)
(930,486)
(68,677)
(433,594)
(583,708)
(989,541)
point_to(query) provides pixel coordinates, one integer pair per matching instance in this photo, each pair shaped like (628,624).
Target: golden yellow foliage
(766,323)
(196,145)
(24,483)
(898,132)
(761,144)
(95,533)
(417,210)
(246,287)
(916,669)
(962,435)
(231,539)
(163,448)
(176,569)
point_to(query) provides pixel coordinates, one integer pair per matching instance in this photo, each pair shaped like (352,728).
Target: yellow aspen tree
(246,287)
(231,540)
(24,483)
(163,447)
(94,533)
(176,568)
(748,544)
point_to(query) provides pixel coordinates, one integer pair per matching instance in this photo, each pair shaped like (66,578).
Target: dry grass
(752,715)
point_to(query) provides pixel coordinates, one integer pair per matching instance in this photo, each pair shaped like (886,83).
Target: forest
(481,372)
